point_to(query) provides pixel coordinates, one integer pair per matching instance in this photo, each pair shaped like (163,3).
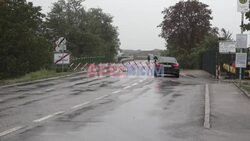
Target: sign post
(227,47)
(241,60)
(243,6)
(241,39)
(60,57)
(61,44)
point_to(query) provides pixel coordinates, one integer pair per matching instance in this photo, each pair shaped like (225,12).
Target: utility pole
(242,23)
(243,7)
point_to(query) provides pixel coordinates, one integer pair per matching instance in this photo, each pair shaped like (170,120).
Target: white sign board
(227,47)
(61,58)
(61,44)
(243,6)
(241,40)
(241,60)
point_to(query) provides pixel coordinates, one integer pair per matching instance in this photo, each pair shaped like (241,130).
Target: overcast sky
(137,20)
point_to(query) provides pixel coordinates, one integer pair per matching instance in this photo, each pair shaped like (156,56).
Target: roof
(167,59)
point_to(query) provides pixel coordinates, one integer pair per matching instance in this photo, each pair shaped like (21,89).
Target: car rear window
(167,60)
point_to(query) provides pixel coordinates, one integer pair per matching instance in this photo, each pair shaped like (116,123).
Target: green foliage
(185,25)
(23,46)
(211,41)
(192,59)
(27,36)
(41,74)
(89,33)
(226,35)
(246,87)
(247,25)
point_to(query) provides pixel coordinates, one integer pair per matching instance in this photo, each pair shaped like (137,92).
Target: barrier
(232,70)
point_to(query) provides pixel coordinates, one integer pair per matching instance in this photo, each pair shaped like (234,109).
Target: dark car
(167,65)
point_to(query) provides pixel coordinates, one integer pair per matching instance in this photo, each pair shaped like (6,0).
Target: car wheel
(178,76)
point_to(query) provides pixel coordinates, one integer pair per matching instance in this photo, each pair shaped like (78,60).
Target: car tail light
(176,66)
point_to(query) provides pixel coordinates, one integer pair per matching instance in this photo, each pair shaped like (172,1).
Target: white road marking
(207,108)
(48,117)
(102,97)
(116,92)
(135,84)
(42,119)
(48,90)
(10,131)
(80,105)
(141,81)
(59,113)
(127,87)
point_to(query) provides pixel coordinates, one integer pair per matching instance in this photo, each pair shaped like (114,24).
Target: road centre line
(102,97)
(207,108)
(80,105)
(48,90)
(134,84)
(48,117)
(10,131)
(127,87)
(116,92)
(42,119)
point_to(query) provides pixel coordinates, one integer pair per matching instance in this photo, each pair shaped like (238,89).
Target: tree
(210,42)
(247,25)
(225,34)
(89,33)
(184,26)
(23,46)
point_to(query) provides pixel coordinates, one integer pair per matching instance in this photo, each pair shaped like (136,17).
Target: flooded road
(104,109)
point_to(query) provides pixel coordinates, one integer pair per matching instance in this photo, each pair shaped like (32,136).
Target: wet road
(80,108)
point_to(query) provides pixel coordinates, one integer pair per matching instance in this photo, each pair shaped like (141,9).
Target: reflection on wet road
(112,108)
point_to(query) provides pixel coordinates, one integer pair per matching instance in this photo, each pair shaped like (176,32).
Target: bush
(24,47)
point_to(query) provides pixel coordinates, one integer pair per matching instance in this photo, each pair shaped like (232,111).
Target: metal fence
(209,61)
(212,58)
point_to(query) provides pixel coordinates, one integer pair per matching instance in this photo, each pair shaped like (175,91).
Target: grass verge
(42,74)
(246,87)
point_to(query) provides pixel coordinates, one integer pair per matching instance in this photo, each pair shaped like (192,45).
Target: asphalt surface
(230,114)
(82,108)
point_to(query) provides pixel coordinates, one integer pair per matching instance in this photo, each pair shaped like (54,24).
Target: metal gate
(209,61)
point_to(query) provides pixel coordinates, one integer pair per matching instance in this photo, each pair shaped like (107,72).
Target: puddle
(45,85)
(76,113)
(7,108)
(177,95)
(32,101)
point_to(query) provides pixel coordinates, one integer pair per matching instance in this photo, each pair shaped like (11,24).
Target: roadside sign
(243,6)
(241,60)
(227,47)
(61,58)
(61,44)
(241,40)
